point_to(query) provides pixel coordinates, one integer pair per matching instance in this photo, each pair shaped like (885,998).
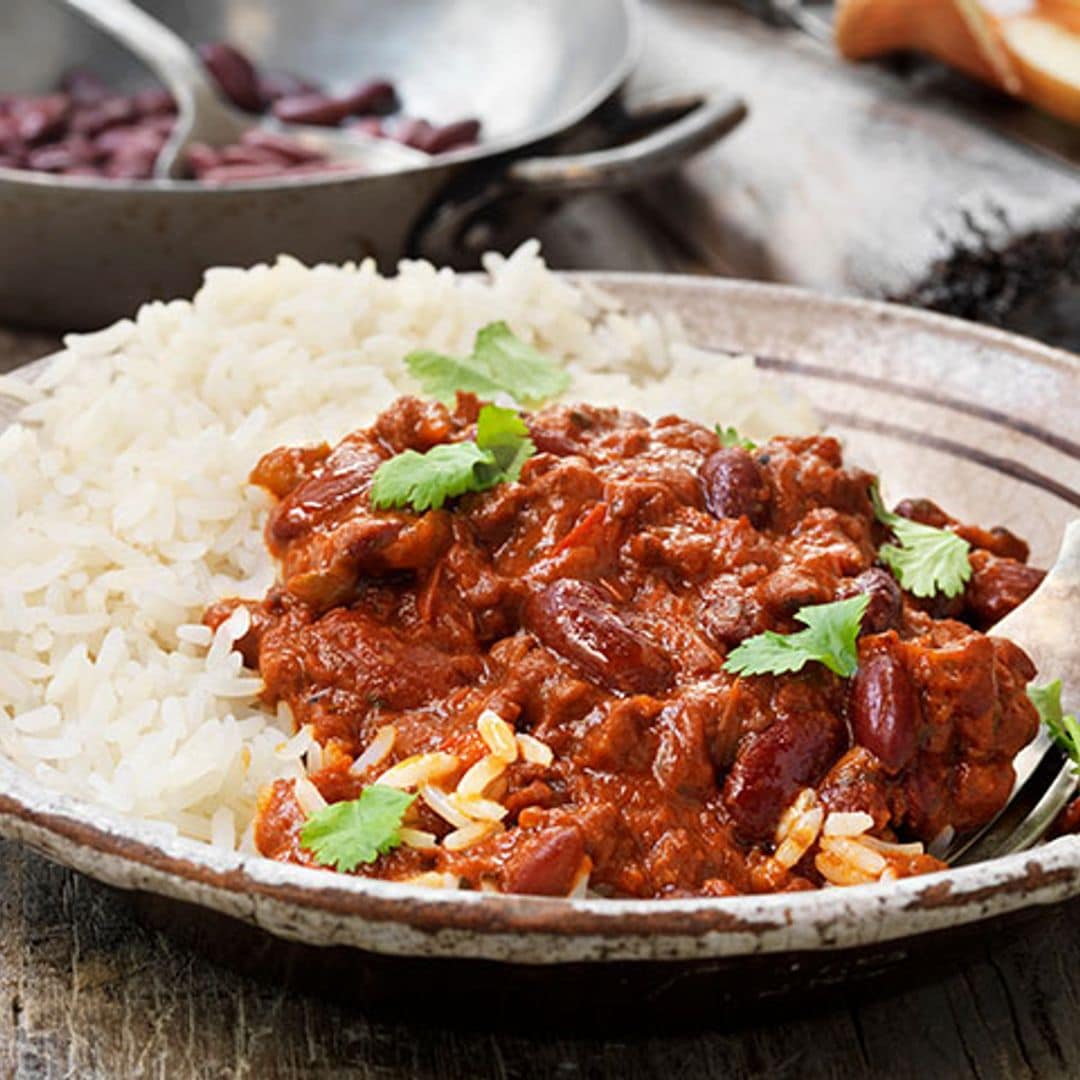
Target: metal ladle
(204,117)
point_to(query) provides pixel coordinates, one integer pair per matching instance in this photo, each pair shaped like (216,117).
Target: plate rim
(317,907)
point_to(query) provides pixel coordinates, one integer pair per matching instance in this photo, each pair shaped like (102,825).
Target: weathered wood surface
(855,178)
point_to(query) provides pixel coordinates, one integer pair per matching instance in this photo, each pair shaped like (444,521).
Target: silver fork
(1045,625)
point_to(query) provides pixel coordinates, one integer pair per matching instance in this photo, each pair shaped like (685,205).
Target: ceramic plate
(978,420)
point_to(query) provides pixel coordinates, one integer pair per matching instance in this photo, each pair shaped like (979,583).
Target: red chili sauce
(592,604)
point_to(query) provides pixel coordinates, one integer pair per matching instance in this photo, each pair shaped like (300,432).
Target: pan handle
(702,119)
(502,206)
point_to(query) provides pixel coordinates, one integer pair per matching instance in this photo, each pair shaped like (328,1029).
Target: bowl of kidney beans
(85,128)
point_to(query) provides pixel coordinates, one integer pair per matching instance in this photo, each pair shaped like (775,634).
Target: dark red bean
(279,84)
(733,486)
(368,125)
(545,863)
(576,620)
(84,87)
(454,136)
(227,174)
(250,155)
(997,586)
(156,101)
(377,97)
(55,158)
(201,157)
(41,118)
(883,704)
(286,148)
(886,600)
(10,161)
(234,73)
(776,764)
(412,132)
(312,109)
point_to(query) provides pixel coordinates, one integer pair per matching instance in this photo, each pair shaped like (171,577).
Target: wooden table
(87,991)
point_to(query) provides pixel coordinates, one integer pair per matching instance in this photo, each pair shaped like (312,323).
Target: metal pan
(78,252)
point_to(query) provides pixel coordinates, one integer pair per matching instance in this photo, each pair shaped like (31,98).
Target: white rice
(125,507)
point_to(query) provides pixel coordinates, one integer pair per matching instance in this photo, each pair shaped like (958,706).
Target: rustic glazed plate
(979,420)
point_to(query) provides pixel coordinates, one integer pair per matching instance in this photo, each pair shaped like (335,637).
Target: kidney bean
(453,136)
(285,148)
(227,174)
(59,157)
(883,704)
(997,586)
(320,109)
(368,125)
(776,764)
(577,621)
(376,97)
(40,118)
(412,132)
(886,600)
(157,101)
(733,486)
(279,84)
(10,161)
(201,157)
(234,73)
(545,863)
(84,87)
(251,155)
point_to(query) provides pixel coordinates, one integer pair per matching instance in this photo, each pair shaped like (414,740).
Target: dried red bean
(40,118)
(156,101)
(225,174)
(545,863)
(368,125)
(776,764)
(733,486)
(201,157)
(312,109)
(576,620)
(883,704)
(279,84)
(412,132)
(453,136)
(377,97)
(234,73)
(282,145)
(886,600)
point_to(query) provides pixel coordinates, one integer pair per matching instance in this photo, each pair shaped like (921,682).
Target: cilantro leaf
(442,376)
(500,363)
(830,638)
(346,834)
(425,481)
(730,436)
(1063,728)
(503,433)
(925,560)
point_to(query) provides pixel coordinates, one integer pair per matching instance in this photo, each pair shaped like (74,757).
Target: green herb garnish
(730,436)
(500,363)
(346,834)
(925,560)
(426,481)
(830,638)
(1063,728)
